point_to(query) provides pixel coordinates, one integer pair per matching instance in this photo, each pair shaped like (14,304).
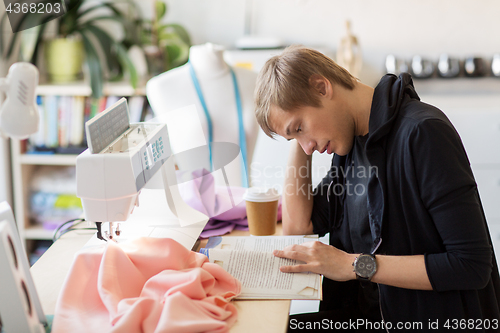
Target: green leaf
(101,5)
(166,37)
(34,58)
(177,52)
(105,43)
(114,51)
(73,5)
(127,63)
(29,40)
(2,23)
(94,64)
(101,18)
(179,30)
(161,9)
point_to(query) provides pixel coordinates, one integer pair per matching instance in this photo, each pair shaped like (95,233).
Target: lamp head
(19,113)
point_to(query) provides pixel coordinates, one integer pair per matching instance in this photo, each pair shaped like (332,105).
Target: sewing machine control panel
(157,152)
(153,153)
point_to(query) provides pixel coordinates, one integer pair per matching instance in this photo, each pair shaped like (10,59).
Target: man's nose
(307,146)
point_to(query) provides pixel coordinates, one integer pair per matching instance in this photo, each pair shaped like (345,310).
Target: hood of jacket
(387,100)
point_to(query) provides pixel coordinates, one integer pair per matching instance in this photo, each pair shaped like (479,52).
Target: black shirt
(355,197)
(423,200)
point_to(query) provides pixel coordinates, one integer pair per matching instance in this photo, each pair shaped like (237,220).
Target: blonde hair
(284,82)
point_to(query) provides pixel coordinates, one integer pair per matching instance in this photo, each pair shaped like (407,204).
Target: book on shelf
(38,139)
(77,124)
(63,118)
(51,135)
(110,100)
(64,113)
(136,107)
(251,261)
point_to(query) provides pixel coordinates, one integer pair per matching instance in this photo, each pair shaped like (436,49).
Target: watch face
(365,266)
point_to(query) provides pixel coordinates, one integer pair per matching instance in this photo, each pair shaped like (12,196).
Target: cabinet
(24,166)
(476,117)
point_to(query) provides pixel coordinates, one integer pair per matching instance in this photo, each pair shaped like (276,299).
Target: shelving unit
(24,165)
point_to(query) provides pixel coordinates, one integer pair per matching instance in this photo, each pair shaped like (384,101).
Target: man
(400,201)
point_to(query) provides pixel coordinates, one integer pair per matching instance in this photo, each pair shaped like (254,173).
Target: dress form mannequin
(174,90)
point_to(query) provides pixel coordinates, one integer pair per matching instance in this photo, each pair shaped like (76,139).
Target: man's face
(328,128)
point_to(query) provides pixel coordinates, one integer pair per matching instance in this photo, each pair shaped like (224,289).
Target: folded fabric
(224,205)
(145,285)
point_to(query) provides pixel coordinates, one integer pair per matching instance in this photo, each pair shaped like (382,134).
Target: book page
(261,278)
(257,243)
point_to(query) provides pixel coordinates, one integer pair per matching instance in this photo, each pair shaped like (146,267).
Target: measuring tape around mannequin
(242,138)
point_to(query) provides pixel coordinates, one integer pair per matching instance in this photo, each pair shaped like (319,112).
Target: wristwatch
(365,266)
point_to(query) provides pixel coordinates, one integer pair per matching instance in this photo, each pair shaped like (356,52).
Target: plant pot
(64,58)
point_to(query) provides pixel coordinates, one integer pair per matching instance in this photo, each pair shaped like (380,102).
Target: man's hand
(319,258)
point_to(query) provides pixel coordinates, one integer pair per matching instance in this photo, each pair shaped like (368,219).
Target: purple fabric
(223,205)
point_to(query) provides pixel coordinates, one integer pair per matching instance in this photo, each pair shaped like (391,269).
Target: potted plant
(166,45)
(79,28)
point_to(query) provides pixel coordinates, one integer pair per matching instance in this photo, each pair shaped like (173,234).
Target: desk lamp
(20,307)
(19,114)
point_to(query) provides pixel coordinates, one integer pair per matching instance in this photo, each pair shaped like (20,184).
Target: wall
(405,28)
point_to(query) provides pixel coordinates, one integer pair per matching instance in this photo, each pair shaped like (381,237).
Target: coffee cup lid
(260,194)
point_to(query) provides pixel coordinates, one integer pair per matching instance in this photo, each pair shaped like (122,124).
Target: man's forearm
(402,271)
(297,193)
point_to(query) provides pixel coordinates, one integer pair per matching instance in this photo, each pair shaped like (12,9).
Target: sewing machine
(121,159)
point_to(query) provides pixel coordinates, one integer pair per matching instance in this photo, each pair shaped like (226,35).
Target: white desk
(51,269)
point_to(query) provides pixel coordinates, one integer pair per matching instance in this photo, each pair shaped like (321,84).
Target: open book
(251,261)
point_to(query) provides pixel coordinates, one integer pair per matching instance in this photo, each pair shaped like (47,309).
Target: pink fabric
(146,285)
(198,190)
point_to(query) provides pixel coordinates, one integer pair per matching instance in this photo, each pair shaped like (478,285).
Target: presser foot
(111,234)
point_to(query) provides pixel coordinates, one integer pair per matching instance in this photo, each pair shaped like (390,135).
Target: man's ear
(320,84)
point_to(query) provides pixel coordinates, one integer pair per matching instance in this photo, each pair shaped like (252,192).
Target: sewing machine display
(122,157)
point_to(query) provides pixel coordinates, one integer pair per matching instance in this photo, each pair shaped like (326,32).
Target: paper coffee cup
(262,210)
